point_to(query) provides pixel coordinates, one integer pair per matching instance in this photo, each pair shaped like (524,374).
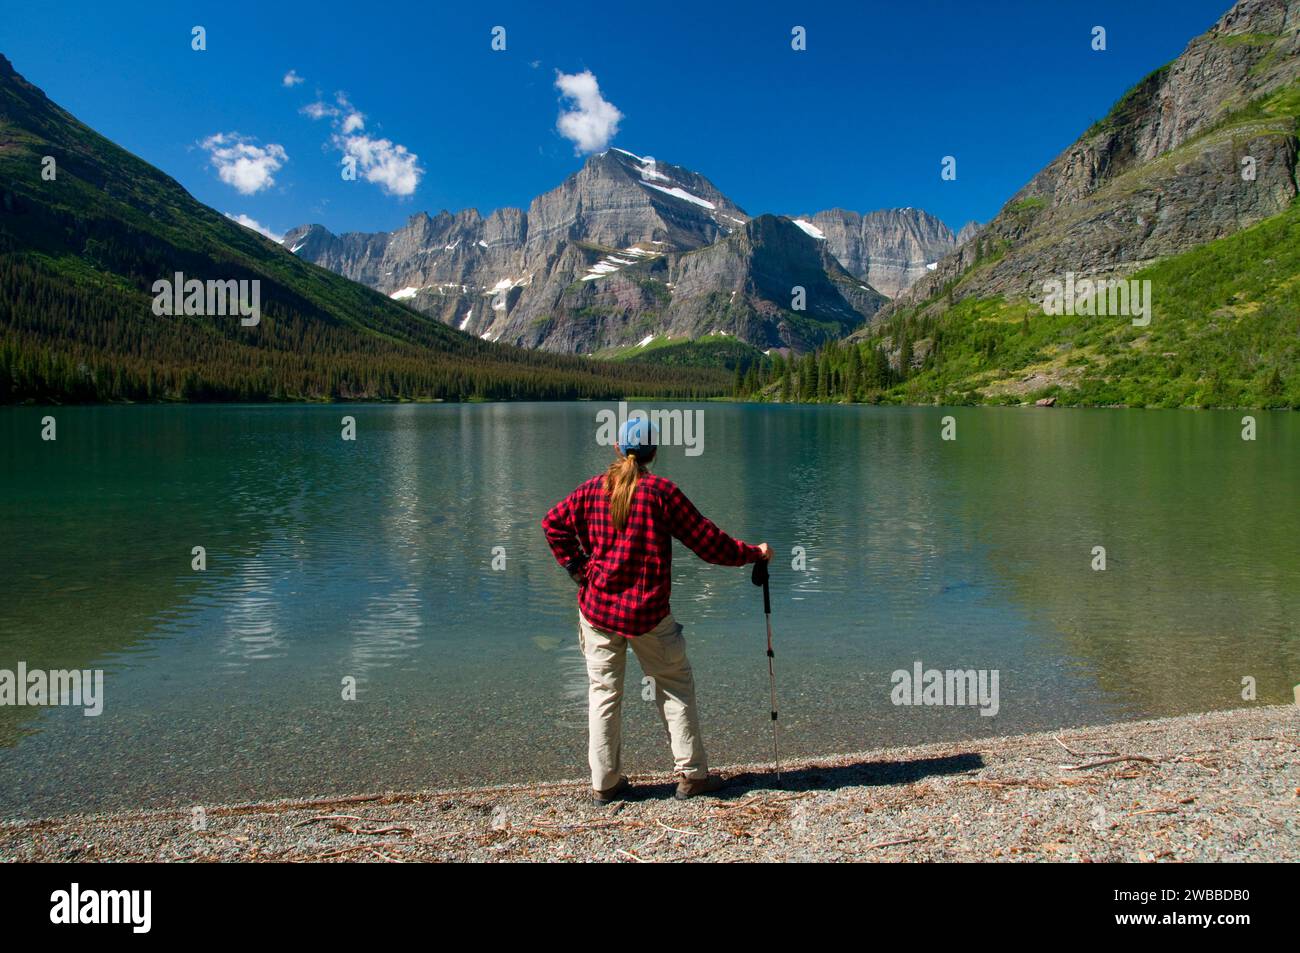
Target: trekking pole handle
(759,578)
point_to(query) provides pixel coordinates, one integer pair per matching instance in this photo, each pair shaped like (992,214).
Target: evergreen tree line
(838,372)
(79,339)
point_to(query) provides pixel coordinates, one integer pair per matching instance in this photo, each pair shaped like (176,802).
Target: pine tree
(905,358)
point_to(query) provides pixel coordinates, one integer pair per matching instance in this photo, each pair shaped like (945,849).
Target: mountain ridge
(595,263)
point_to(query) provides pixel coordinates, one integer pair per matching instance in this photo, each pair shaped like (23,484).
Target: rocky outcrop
(968,231)
(1164,171)
(890,249)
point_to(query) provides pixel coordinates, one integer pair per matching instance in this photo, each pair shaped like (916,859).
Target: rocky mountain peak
(630,245)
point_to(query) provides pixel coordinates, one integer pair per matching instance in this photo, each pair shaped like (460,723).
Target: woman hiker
(614,535)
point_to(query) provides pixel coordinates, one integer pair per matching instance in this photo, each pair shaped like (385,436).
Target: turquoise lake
(373,560)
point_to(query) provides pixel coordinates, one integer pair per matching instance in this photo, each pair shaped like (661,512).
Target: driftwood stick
(329,817)
(895,843)
(348,850)
(677,830)
(1082,754)
(1115,760)
(581,825)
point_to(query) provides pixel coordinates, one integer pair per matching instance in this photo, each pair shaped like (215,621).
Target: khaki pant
(662,654)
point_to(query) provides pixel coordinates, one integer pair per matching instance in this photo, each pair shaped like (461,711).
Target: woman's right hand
(767,552)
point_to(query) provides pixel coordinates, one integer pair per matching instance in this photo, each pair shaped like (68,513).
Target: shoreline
(396,402)
(1218,786)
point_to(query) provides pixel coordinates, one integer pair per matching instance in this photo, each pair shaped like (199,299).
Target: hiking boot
(694,787)
(610,795)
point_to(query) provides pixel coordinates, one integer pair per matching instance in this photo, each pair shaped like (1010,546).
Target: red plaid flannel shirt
(625,578)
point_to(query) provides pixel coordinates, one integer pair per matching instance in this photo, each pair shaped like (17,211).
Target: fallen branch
(1104,761)
(1082,754)
(285,807)
(595,825)
(348,850)
(677,831)
(329,817)
(895,843)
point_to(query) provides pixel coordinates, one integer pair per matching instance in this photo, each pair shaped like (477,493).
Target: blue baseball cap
(637,433)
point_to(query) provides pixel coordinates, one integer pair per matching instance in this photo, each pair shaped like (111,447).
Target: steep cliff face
(1200,149)
(626,248)
(890,249)
(968,231)
(771,284)
(768,283)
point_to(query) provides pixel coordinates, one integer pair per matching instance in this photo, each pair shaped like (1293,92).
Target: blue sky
(861,119)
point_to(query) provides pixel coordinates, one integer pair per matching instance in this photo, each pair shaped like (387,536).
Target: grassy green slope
(712,350)
(1224,332)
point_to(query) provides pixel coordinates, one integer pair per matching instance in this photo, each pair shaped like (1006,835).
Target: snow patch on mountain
(612,263)
(679,193)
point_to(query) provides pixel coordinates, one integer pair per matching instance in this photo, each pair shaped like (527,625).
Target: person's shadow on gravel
(830,777)
(860,774)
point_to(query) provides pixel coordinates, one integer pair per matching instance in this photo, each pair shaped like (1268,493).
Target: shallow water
(372,560)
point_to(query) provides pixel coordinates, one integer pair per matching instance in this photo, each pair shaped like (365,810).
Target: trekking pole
(759,578)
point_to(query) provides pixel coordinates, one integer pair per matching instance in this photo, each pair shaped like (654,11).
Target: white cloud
(589,120)
(292,78)
(318,110)
(390,165)
(344,115)
(255,225)
(353,121)
(242,164)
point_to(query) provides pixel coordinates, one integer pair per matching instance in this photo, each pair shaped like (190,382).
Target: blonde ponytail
(620,483)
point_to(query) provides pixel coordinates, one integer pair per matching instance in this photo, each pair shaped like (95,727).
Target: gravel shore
(1222,786)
